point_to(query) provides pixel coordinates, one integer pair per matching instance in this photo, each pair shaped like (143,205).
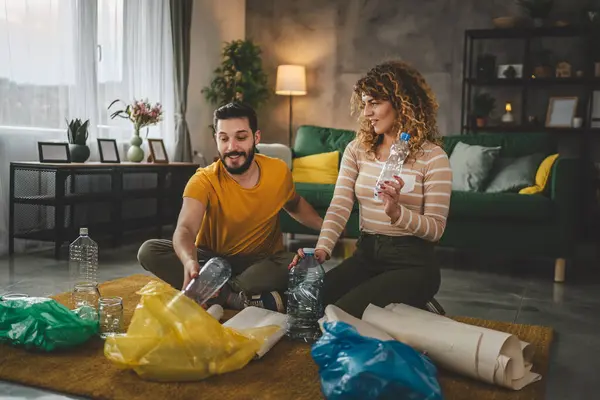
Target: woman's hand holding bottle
(320,255)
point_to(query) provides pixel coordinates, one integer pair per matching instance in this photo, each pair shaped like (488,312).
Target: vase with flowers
(142,114)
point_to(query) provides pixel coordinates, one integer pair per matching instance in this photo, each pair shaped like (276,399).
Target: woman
(394,259)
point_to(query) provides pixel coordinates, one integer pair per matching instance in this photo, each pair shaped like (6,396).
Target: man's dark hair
(236,110)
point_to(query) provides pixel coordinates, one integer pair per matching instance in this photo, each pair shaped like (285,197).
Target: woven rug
(286,372)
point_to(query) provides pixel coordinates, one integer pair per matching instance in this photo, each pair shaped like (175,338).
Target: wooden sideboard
(46,199)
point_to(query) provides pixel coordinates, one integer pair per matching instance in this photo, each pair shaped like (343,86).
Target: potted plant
(483,105)
(537,10)
(142,114)
(240,77)
(78,133)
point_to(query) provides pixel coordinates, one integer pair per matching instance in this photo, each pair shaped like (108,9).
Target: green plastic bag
(44,324)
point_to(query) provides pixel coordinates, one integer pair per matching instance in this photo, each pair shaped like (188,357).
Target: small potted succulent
(78,133)
(483,105)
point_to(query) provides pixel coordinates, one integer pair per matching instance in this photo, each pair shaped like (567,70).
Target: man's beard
(242,168)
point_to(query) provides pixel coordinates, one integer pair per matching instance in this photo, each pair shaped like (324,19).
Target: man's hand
(390,194)
(190,270)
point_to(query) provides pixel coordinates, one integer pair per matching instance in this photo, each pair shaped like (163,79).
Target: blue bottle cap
(405,137)
(308,251)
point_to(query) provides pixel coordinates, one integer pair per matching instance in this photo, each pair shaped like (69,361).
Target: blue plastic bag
(352,366)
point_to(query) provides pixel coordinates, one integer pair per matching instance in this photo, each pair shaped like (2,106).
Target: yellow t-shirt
(239,220)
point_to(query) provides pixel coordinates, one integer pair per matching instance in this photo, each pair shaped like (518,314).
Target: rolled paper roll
(334,313)
(487,355)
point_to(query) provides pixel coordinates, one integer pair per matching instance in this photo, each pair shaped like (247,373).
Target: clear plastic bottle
(304,298)
(212,276)
(83,259)
(393,166)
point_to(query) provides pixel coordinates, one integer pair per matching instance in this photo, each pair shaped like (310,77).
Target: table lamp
(507,118)
(291,81)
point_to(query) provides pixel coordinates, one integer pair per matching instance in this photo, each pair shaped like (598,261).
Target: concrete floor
(520,291)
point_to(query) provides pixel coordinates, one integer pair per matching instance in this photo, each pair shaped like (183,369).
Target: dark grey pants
(384,270)
(251,275)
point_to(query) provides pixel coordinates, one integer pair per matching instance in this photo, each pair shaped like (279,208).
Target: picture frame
(109,152)
(54,152)
(503,70)
(158,151)
(561,111)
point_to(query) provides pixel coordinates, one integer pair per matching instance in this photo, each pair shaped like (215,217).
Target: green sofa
(541,225)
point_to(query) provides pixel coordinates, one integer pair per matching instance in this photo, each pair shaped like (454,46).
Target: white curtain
(64,59)
(136,63)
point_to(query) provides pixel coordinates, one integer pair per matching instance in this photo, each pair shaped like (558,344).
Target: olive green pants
(384,270)
(252,275)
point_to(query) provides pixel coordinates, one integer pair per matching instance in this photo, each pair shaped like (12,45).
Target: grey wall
(213,23)
(339,40)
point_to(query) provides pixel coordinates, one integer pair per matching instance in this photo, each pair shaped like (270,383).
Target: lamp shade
(291,80)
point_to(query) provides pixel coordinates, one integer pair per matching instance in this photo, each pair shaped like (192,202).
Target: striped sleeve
(437,188)
(343,200)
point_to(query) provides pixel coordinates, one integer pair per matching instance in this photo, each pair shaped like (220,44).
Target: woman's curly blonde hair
(412,98)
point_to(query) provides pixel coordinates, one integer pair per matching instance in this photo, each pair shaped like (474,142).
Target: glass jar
(110,310)
(84,299)
(13,296)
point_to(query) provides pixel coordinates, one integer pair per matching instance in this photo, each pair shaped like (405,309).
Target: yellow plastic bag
(171,338)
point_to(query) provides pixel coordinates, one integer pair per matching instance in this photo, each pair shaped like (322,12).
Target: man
(231,209)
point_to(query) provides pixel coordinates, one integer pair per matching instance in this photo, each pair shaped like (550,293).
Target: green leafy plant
(483,105)
(77,131)
(240,77)
(536,8)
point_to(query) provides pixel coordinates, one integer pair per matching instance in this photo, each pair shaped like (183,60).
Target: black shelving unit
(588,83)
(589,39)
(45,197)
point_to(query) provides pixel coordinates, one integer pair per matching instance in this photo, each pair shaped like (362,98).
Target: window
(37,61)
(37,36)
(63,59)
(111,82)
(110,41)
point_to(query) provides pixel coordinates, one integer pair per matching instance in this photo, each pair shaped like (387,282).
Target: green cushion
(514,144)
(315,139)
(290,225)
(514,174)
(529,239)
(471,166)
(500,206)
(519,144)
(450,142)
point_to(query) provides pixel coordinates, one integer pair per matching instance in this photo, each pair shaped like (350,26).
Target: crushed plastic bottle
(304,299)
(211,278)
(393,166)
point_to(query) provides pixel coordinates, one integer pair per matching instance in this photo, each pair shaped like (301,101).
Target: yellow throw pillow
(541,176)
(317,168)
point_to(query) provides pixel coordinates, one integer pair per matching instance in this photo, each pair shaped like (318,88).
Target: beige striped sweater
(424,209)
